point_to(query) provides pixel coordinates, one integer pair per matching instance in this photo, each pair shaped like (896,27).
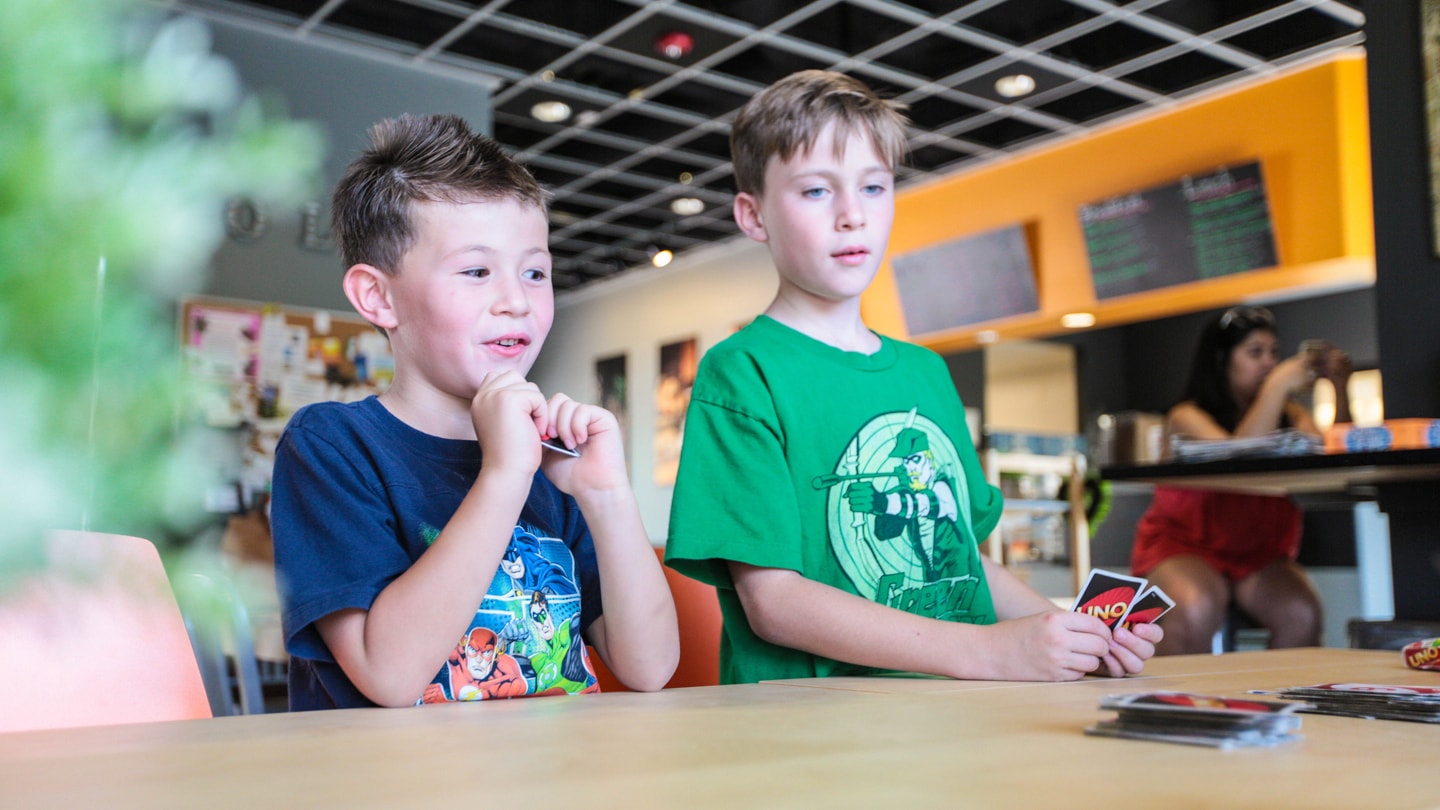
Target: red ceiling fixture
(674,44)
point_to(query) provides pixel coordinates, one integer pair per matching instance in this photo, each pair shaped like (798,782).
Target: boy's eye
(478,272)
(813,193)
(536,274)
(874,189)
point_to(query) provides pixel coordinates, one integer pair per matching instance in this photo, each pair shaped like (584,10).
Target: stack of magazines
(1288,442)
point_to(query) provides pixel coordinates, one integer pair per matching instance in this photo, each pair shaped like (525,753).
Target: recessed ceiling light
(686,178)
(660,258)
(550,111)
(547,76)
(1077,320)
(687,206)
(1015,85)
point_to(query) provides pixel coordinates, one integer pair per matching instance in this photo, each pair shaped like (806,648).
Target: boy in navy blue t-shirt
(426,548)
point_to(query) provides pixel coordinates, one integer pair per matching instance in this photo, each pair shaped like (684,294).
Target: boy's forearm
(803,614)
(640,642)
(417,619)
(1012,598)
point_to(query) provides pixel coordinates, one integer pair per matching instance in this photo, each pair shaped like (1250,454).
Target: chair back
(96,638)
(697,609)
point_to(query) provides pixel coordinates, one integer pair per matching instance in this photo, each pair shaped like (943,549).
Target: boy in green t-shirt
(828,486)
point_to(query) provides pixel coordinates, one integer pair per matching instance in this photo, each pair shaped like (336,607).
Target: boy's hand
(1130,649)
(596,433)
(1051,645)
(509,414)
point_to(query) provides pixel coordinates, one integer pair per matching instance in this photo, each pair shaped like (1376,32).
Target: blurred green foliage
(121,137)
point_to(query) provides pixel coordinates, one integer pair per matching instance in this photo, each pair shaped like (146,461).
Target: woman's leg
(1282,599)
(1201,595)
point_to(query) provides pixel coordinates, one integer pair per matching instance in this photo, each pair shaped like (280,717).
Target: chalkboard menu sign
(968,280)
(1200,227)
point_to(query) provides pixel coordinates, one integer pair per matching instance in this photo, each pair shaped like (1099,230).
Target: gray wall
(344,94)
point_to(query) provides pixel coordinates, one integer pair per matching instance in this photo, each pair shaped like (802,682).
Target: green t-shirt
(854,470)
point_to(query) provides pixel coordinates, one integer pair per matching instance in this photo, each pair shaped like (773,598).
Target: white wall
(1030,386)
(705,294)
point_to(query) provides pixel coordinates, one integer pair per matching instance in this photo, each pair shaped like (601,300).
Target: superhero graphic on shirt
(899,521)
(529,569)
(525,636)
(555,651)
(478,670)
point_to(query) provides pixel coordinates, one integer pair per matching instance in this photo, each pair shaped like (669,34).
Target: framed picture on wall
(1430,53)
(678,362)
(612,390)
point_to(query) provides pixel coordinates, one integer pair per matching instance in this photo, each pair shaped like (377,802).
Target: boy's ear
(368,289)
(747,216)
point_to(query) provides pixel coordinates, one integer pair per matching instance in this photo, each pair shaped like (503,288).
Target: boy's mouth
(851,253)
(509,344)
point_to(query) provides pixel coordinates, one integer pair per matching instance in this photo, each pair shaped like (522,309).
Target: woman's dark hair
(1209,383)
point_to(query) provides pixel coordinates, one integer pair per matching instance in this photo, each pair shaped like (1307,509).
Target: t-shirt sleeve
(734,499)
(335,547)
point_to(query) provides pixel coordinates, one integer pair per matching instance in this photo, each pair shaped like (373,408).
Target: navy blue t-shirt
(359,495)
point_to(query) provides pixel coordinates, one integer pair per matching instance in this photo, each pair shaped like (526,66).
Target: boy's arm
(391,651)
(786,609)
(1013,598)
(636,633)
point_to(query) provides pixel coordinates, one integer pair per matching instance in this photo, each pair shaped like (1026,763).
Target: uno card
(1148,607)
(559,447)
(1107,595)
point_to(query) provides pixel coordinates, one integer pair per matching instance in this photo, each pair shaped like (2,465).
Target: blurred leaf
(122,136)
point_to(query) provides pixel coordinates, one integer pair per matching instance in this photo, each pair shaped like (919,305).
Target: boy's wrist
(599,500)
(505,478)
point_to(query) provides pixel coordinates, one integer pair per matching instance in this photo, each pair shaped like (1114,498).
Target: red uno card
(1148,607)
(1107,595)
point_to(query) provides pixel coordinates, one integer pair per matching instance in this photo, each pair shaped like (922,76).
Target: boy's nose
(849,214)
(512,297)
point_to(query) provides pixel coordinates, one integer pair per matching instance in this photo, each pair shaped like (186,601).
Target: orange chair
(698,612)
(96,639)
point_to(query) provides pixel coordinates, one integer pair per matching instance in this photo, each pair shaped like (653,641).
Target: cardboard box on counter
(1392,434)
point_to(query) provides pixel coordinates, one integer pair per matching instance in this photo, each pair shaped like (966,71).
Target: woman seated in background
(1209,549)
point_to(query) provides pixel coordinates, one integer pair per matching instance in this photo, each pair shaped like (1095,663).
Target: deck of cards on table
(1120,600)
(1375,701)
(1217,722)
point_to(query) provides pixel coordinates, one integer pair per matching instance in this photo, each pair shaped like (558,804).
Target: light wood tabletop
(865,743)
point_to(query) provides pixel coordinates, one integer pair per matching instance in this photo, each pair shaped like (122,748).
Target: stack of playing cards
(1376,701)
(1180,717)
(1120,600)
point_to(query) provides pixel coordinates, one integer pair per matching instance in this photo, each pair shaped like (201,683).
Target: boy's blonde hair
(787,118)
(427,158)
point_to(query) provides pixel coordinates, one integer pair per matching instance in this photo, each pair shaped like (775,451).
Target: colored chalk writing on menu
(1199,227)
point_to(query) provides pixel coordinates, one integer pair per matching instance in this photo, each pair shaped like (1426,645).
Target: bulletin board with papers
(250,365)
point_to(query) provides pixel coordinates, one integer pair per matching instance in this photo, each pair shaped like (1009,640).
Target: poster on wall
(1430,53)
(611,386)
(678,363)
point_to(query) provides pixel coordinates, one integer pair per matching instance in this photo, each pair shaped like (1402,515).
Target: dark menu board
(968,280)
(1200,227)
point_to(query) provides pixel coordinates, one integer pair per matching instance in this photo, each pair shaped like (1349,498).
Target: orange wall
(1308,128)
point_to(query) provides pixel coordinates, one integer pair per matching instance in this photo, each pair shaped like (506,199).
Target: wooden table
(866,743)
